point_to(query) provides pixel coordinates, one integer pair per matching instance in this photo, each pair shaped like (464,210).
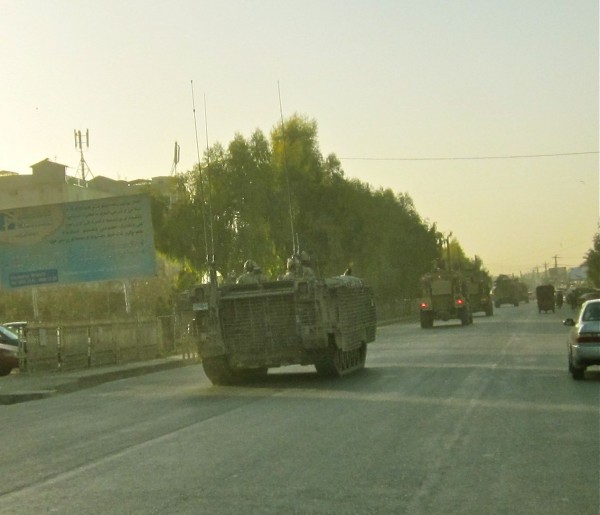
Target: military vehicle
(242,330)
(480,293)
(445,295)
(545,298)
(505,291)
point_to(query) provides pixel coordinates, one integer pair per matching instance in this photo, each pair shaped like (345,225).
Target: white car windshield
(592,312)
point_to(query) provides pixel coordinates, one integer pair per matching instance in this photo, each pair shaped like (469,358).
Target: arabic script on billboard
(94,240)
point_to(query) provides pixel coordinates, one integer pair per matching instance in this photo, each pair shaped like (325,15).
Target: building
(50,184)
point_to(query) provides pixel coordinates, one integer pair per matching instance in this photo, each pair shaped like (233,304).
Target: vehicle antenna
(200,172)
(210,215)
(295,250)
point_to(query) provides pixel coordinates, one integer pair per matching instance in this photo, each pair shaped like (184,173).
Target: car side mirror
(569,322)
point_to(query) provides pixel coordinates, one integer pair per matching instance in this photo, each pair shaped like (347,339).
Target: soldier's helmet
(249,265)
(304,258)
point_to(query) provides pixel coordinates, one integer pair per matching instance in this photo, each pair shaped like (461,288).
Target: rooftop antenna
(175,159)
(83,167)
(295,245)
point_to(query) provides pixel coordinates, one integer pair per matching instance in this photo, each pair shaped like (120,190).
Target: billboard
(92,240)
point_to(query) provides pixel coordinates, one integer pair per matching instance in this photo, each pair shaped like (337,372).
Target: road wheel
(577,373)
(336,362)
(4,371)
(464,317)
(426,320)
(217,369)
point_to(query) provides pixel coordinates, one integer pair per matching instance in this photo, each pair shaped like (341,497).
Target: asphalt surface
(22,387)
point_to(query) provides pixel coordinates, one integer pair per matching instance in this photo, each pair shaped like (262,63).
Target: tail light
(459,302)
(423,305)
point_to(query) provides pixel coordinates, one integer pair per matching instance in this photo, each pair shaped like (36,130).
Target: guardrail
(70,346)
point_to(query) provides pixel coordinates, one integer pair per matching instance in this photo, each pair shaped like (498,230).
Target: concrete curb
(59,383)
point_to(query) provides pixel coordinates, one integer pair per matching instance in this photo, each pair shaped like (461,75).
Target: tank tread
(218,370)
(338,362)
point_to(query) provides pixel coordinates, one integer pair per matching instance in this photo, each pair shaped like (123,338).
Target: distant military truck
(444,296)
(505,291)
(545,298)
(245,329)
(480,293)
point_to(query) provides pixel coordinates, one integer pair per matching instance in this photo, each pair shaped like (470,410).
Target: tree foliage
(261,198)
(592,260)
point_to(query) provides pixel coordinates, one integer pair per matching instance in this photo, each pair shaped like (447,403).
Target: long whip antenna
(210,215)
(200,174)
(287,175)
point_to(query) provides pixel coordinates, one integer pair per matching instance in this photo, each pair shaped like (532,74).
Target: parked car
(9,351)
(20,329)
(583,342)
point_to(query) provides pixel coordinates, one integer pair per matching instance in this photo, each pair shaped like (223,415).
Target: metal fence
(71,346)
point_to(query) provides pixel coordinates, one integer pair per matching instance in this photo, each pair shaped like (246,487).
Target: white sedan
(583,343)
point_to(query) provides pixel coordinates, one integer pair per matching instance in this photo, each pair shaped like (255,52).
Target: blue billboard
(92,240)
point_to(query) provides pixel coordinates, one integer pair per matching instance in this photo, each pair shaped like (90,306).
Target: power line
(469,158)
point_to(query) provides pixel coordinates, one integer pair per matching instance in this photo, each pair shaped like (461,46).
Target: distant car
(583,344)
(9,351)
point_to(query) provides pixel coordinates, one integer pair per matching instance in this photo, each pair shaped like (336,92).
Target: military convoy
(445,296)
(244,329)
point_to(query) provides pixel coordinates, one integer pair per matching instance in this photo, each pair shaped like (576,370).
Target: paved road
(478,419)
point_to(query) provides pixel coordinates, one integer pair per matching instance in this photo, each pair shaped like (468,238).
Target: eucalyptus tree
(263,199)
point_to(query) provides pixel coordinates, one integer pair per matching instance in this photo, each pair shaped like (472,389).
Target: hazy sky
(394,86)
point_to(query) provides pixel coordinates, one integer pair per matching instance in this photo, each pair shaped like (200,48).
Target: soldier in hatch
(307,271)
(249,276)
(292,269)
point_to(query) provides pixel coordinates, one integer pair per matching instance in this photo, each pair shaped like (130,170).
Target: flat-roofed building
(49,184)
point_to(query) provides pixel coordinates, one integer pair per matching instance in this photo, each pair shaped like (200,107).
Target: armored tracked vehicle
(242,330)
(445,295)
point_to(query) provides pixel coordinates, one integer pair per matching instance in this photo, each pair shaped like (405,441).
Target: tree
(592,260)
(261,199)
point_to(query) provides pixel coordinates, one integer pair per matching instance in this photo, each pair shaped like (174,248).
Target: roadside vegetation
(262,194)
(592,260)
